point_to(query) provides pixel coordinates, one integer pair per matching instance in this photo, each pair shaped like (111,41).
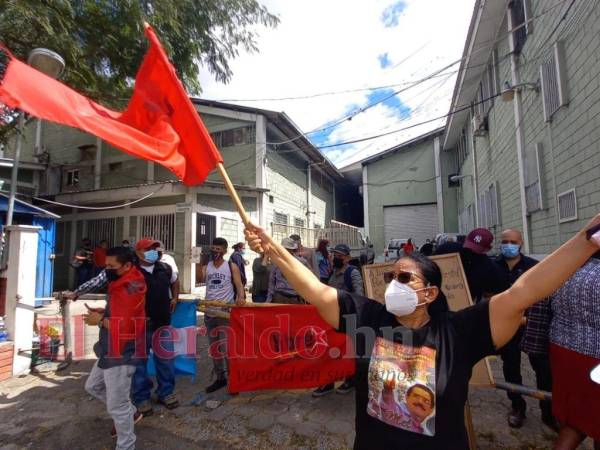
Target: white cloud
(334,45)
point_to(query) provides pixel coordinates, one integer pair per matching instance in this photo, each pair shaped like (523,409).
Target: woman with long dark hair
(323,260)
(423,354)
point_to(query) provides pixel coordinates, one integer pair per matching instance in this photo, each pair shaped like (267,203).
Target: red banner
(160,123)
(285,347)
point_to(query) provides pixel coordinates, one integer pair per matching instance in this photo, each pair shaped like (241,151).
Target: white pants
(113,387)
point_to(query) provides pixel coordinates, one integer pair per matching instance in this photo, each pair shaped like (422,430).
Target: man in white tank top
(223,283)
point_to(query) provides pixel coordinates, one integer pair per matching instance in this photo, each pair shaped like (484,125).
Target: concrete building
(280,176)
(526,120)
(404,191)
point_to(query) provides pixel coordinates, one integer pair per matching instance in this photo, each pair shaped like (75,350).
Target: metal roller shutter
(418,222)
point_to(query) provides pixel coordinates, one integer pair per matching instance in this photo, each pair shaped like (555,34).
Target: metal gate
(101,230)
(418,222)
(161,227)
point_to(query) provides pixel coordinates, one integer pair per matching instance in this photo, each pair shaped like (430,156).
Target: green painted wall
(403,178)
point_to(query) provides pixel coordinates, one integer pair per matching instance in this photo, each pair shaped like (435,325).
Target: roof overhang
(289,129)
(404,146)
(8,162)
(488,16)
(22,207)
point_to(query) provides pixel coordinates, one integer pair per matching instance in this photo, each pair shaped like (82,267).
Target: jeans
(259,298)
(84,273)
(112,387)
(165,372)
(216,328)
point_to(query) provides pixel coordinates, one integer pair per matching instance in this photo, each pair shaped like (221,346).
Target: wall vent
(567,206)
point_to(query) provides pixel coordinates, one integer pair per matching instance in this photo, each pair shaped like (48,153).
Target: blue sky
(371,44)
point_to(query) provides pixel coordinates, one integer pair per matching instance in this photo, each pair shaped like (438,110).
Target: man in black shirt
(482,274)
(161,299)
(512,264)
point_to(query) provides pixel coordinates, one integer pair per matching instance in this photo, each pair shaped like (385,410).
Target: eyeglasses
(403,277)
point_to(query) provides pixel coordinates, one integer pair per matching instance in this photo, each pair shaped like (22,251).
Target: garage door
(418,222)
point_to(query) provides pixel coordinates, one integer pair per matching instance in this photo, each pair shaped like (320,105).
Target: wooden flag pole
(233,194)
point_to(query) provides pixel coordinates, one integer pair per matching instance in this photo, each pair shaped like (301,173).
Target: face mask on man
(151,256)
(112,275)
(214,255)
(338,262)
(401,299)
(510,250)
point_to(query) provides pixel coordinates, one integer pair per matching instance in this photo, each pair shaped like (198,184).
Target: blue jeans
(165,373)
(84,273)
(259,298)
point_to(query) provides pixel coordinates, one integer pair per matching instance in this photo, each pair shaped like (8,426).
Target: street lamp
(53,65)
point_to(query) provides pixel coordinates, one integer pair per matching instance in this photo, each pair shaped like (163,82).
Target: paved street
(49,411)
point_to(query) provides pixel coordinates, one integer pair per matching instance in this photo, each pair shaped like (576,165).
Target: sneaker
(346,387)
(516,418)
(218,384)
(145,408)
(170,401)
(136,418)
(323,390)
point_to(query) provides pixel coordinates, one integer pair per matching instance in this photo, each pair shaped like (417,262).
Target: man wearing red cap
(161,299)
(482,274)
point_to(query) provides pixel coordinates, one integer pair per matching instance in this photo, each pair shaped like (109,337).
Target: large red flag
(160,123)
(284,347)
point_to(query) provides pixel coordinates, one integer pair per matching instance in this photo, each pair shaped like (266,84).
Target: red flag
(160,123)
(284,347)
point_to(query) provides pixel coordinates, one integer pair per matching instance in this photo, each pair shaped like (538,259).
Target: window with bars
(160,227)
(298,222)
(235,136)
(554,81)
(280,218)
(101,230)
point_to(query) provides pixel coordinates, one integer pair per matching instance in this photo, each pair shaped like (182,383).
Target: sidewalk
(49,411)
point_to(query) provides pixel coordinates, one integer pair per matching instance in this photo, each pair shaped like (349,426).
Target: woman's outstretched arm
(507,308)
(308,286)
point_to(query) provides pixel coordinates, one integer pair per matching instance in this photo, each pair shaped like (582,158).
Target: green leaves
(103,44)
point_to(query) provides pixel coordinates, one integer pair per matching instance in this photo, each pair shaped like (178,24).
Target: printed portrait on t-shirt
(402,386)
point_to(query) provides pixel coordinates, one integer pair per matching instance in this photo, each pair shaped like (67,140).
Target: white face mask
(401,299)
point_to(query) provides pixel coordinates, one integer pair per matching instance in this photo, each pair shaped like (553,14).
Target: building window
(271,199)
(488,207)
(521,14)
(534,192)
(73,177)
(553,78)
(279,218)
(115,167)
(318,226)
(462,150)
(235,136)
(161,227)
(299,222)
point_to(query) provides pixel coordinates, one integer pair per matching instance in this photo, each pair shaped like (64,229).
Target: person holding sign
(402,340)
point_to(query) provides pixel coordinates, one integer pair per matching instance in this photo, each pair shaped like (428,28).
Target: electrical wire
(99,208)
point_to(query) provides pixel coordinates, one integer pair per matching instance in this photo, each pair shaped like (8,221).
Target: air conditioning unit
(480,125)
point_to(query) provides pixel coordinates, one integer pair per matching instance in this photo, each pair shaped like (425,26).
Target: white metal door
(418,222)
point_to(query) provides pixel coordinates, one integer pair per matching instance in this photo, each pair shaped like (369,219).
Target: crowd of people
(412,377)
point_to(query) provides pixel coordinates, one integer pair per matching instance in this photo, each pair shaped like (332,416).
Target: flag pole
(233,194)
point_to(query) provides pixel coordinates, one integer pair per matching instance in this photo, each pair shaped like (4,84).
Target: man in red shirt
(122,329)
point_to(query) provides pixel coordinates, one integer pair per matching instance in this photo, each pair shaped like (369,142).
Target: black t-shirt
(158,295)
(412,385)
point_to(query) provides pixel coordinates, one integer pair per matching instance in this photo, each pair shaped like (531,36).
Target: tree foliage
(103,43)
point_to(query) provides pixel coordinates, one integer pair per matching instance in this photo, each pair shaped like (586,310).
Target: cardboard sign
(454,286)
